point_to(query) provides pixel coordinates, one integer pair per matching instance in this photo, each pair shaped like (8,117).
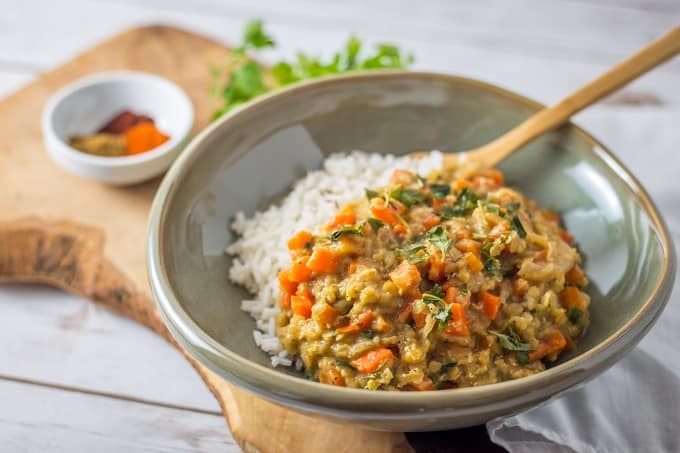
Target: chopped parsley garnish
(414,253)
(371,194)
(408,197)
(376,224)
(347,229)
(516,225)
(437,236)
(443,316)
(440,191)
(435,295)
(368,334)
(492,267)
(465,203)
(447,366)
(512,207)
(464,289)
(244,79)
(522,357)
(494,208)
(574,315)
(343,362)
(512,341)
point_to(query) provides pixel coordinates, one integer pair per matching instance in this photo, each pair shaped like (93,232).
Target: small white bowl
(84,106)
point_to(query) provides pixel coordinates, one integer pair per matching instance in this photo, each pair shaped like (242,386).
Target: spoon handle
(549,118)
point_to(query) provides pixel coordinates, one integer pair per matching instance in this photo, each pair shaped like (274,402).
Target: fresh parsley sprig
(247,80)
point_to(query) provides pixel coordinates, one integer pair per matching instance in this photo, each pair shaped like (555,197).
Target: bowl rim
(305,393)
(101,78)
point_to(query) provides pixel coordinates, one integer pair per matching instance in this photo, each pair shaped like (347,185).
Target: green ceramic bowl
(249,158)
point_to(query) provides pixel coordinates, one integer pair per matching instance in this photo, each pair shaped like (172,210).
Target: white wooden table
(74,377)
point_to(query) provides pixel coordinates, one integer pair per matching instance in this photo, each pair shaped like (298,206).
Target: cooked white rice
(261,250)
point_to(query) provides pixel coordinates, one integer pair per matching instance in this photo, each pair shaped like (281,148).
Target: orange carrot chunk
(469,245)
(286,281)
(284,300)
(551,343)
(566,236)
(451,294)
(325,313)
(301,306)
(372,360)
(299,272)
(575,275)
(474,264)
(359,323)
(457,325)
(332,376)
(490,303)
(323,261)
(431,221)
(572,297)
(299,240)
(383,211)
(344,217)
(406,276)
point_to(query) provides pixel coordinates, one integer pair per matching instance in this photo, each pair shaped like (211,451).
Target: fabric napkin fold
(632,407)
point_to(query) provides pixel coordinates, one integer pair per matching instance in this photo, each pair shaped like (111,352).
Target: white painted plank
(49,336)
(34,418)
(546,77)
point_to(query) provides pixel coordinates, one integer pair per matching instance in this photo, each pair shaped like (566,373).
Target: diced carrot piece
(490,303)
(469,245)
(299,272)
(542,256)
(431,221)
(460,184)
(437,268)
(383,211)
(332,376)
(303,290)
(359,323)
(451,295)
(474,264)
(405,312)
(402,177)
(398,206)
(457,325)
(424,385)
(463,234)
(575,275)
(301,306)
(551,343)
(438,204)
(299,240)
(325,314)
(372,360)
(566,236)
(496,175)
(572,297)
(419,318)
(406,276)
(400,228)
(286,281)
(323,261)
(352,268)
(284,300)
(344,217)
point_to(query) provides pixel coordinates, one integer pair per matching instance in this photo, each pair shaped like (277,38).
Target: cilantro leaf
(574,315)
(376,224)
(304,66)
(254,37)
(435,296)
(522,357)
(408,197)
(368,334)
(440,191)
(414,253)
(347,229)
(437,236)
(516,225)
(443,316)
(464,289)
(371,193)
(512,341)
(343,362)
(512,207)
(465,203)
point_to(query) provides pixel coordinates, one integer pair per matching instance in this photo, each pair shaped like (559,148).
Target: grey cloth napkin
(632,407)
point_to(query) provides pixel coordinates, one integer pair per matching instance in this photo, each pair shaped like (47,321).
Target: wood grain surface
(88,238)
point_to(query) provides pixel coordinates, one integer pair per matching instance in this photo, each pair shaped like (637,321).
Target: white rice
(261,250)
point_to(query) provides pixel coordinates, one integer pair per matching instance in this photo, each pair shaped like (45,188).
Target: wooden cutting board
(88,238)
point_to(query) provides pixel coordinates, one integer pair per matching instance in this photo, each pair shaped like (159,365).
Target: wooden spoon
(549,118)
